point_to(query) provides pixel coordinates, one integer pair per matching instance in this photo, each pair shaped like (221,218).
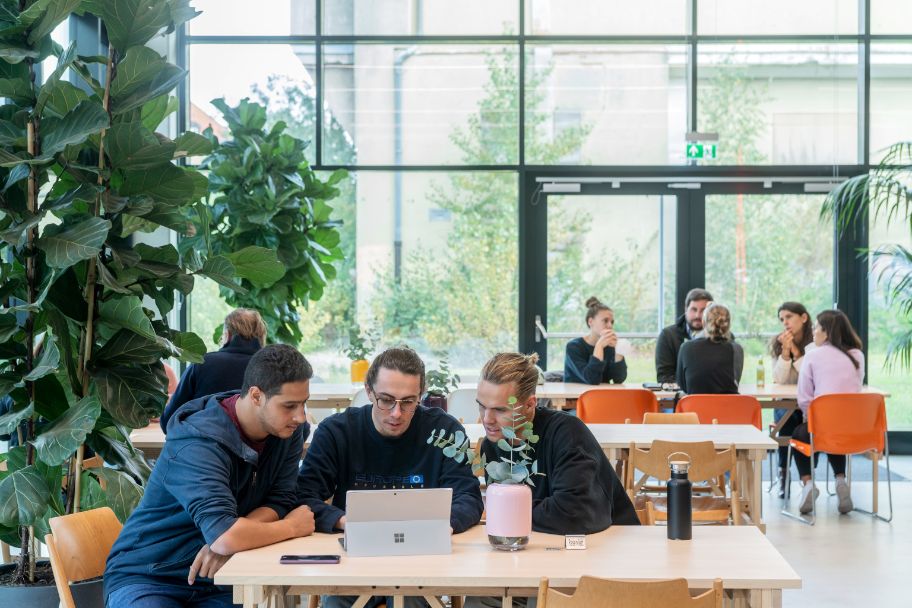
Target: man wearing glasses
(383,446)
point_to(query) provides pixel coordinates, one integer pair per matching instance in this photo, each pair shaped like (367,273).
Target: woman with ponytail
(712,363)
(593,359)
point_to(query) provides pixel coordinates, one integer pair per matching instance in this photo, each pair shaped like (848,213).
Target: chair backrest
(79,545)
(675,418)
(462,406)
(606,593)
(615,406)
(360,398)
(706,463)
(725,409)
(848,423)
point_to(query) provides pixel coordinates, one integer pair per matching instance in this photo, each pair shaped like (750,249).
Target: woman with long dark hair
(836,365)
(787,350)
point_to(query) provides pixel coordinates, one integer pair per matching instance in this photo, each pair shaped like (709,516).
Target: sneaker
(807,498)
(845,497)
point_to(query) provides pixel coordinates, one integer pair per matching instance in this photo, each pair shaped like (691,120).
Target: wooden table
(753,572)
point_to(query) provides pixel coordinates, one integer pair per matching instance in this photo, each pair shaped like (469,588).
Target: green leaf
(64,435)
(128,347)
(192,144)
(51,400)
(107,278)
(258,265)
(17,233)
(18,91)
(127,312)
(92,495)
(141,76)
(86,119)
(47,89)
(132,395)
(504,445)
(132,146)
(508,432)
(45,15)
(168,184)
(114,447)
(8,327)
(24,497)
(47,362)
(121,492)
(63,98)
(67,244)
(11,420)
(132,22)
(221,270)
(155,111)
(192,348)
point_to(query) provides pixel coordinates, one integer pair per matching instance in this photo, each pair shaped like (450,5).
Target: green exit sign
(708,151)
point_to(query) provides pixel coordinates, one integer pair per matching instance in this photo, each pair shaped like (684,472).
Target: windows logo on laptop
(398,522)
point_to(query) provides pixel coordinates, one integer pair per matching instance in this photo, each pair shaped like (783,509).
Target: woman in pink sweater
(835,366)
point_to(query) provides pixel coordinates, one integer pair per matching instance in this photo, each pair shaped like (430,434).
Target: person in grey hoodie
(225,482)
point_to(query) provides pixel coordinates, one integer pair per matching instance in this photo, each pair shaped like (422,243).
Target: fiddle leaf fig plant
(83,303)
(517,467)
(268,214)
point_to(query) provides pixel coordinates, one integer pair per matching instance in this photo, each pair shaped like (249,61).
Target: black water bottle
(679,498)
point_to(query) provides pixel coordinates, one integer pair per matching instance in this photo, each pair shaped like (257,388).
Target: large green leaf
(11,420)
(16,234)
(12,135)
(62,98)
(50,85)
(192,348)
(168,184)
(121,492)
(45,15)
(24,497)
(131,22)
(258,265)
(48,361)
(192,144)
(132,146)
(116,450)
(51,400)
(141,76)
(65,245)
(59,440)
(127,312)
(221,270)
(92,495)
(129,347)
(19,91)
(86,119)
(132,395)
(8,327)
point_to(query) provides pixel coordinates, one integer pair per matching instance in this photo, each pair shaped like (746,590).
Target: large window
(450,115)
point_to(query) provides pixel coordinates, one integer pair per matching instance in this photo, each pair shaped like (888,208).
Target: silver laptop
(397,522)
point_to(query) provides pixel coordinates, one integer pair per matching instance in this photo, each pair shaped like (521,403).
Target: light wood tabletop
(748,564)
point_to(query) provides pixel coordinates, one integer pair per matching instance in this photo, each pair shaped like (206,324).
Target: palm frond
(885,192)
(893,265)
(899,351)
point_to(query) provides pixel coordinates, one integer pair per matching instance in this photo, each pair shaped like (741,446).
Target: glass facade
(449,115)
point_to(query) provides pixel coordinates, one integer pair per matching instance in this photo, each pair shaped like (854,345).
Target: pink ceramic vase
(509,515)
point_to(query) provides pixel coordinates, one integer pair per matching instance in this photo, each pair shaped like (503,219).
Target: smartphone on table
(309,559)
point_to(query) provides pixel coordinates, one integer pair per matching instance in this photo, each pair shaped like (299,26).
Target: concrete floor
(848,560)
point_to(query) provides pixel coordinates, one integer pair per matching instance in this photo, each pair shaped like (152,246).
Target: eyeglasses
(386,404)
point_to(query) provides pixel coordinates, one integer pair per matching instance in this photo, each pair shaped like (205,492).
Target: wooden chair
(79,545)
(644,508)
(606,593)
(615,406)
(707,465)
(675,418)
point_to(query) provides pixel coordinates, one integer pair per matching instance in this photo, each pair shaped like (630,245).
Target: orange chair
(849,423)
(723,409)
(615,406)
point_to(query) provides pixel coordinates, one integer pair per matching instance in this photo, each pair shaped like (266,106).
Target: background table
(753,572)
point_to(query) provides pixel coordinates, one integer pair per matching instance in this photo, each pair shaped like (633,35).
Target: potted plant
(439,383)
(358,349)
(266,201)
(508,500)
(84,303)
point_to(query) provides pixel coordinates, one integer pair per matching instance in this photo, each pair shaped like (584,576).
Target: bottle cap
(679,462)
